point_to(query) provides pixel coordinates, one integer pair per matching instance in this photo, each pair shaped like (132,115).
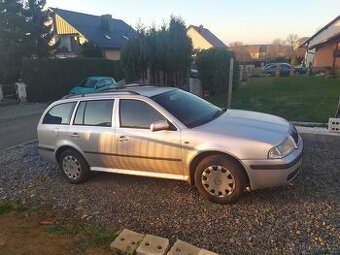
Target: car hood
(249,125)
(80,90)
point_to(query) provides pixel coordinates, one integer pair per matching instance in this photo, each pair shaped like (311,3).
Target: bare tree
(235,44)
(291,41)
(240,50)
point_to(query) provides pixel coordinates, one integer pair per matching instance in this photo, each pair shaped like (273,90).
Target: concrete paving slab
(183,248)
(153,245)
(127,241)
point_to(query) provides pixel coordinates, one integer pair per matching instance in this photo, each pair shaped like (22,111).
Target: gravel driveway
(303,218)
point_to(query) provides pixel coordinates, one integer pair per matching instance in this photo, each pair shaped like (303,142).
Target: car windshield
(191,110)
(88,83)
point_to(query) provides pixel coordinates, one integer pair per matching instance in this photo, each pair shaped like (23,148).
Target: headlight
(281,150)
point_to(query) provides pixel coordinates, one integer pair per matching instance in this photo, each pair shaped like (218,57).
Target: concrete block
(153,245)
(334,125)
(183,248)
(206,252)
(127,241)
(20,89)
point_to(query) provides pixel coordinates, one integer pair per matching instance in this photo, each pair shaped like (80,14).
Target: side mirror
(159,125)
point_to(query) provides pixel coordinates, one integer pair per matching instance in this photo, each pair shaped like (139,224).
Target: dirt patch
(25,231)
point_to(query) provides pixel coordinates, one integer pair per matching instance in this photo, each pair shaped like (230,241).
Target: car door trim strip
(132,156)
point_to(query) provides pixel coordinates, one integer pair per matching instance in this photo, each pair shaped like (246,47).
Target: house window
(336,53)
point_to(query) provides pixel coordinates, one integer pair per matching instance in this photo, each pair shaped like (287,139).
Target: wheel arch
(66,147)
(199,157)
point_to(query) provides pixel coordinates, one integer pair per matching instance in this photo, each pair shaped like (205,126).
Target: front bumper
(274,172)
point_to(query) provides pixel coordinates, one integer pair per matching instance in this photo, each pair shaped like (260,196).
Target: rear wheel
(73,166)
(220,180)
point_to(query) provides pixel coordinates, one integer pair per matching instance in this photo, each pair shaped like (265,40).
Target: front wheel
(73,166)
(220,180)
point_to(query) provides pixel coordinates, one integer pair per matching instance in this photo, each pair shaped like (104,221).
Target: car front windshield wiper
(207,119)
(217,114)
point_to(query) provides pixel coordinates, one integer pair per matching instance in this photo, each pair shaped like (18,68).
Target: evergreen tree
(12,35)
(90,50)
(165,52)
(38,30)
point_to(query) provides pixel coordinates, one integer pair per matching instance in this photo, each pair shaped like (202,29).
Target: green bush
(161,55)
(51,79)
(213,68)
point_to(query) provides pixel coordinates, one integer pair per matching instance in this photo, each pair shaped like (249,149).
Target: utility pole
(230,87)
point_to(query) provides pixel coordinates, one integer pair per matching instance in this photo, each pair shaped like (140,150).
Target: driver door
(139,148)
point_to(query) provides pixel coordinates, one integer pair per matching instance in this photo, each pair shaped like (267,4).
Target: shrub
(51,79)
(213,68)
(161,55)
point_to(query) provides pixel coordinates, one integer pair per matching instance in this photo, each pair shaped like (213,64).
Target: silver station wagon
(169,133)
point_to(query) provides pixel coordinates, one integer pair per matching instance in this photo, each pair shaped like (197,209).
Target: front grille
(295,135)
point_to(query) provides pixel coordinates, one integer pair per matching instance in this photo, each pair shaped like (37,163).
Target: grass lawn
(312,99)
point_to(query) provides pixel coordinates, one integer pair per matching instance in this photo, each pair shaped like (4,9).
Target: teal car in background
(94,84)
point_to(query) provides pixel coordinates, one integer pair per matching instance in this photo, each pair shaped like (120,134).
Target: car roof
(98,77)
(147,91)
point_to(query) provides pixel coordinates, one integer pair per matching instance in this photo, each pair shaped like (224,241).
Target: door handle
(75,135)
(123,139)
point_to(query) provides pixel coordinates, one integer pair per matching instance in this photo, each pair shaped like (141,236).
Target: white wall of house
(310,57)
(112,54)
(326,34)
(198,41)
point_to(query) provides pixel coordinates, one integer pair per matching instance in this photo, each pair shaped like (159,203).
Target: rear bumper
(47,153)
(274,172)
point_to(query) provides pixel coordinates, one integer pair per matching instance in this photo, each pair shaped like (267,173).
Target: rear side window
(109,82)
(60,114)
(94,113)
(137,114)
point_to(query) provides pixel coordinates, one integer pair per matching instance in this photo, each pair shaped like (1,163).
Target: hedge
(213,68)
(51,79)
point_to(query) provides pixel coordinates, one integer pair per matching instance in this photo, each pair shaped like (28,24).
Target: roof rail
(107,92)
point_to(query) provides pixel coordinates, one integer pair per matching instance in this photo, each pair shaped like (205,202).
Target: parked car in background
(93,84)
(268,65)
(269,69)
(169,133)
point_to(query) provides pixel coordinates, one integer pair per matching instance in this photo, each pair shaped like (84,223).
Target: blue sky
(248,21)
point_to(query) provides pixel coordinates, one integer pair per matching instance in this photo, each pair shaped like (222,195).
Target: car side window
(108,82)
(60,114)
(137,114)
(94,113)
(101,84)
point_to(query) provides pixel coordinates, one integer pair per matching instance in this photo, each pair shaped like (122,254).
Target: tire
(73,166)
(220,180)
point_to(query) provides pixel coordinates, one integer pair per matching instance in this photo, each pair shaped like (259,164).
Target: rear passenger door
(55,125)
(93,132)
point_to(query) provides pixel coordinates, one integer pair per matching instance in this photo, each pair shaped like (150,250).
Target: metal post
(277,70)
(230,87)
(1,94)
(337,113)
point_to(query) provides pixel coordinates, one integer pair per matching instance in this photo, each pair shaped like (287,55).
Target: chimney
(200,28)
(106,22)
